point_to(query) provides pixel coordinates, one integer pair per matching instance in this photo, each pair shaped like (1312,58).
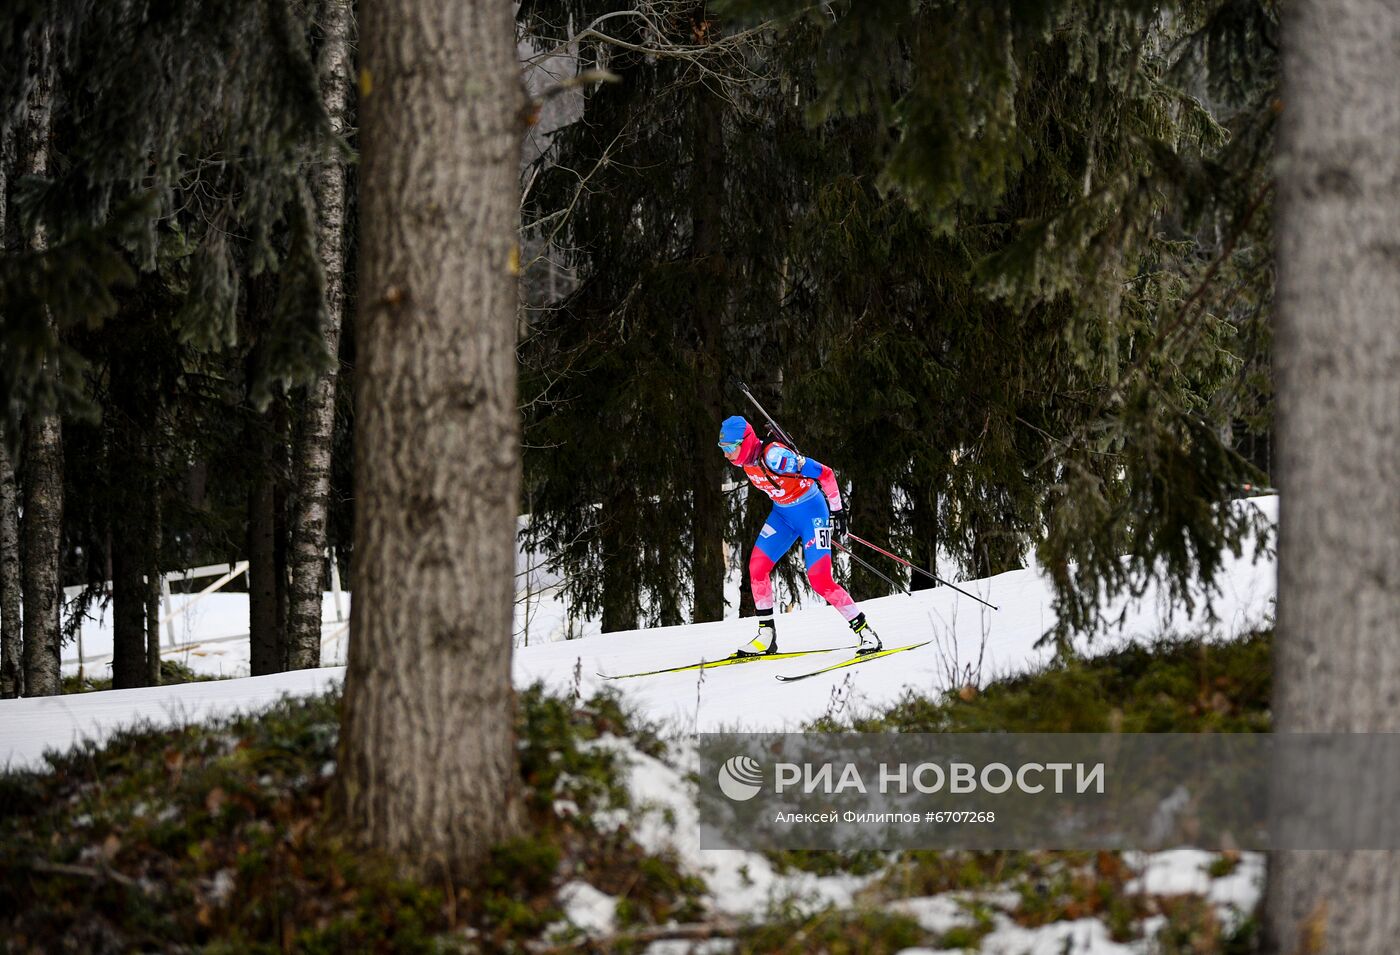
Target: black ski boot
(869,639)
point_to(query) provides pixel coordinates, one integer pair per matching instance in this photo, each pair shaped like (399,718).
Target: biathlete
(806,507)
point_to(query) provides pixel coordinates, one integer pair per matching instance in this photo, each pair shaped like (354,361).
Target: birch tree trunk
(1337,357)
(43,456)
(427,754)
(313,456)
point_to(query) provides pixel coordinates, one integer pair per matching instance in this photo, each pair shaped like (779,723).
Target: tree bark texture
(1337,358)
(11,646)
(428,763)
(311,493)
(707,253)
(43,521)
(43,456)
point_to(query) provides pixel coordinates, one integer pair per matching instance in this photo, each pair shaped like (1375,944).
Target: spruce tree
(1020,336)
(178,184)
(641,196)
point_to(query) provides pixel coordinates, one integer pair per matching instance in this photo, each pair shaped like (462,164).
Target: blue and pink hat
(735,433)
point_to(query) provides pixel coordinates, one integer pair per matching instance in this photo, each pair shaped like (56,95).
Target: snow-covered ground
(968,642)
(967,639)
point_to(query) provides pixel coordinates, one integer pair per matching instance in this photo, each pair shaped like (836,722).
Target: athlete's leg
(773,541)
(814,521)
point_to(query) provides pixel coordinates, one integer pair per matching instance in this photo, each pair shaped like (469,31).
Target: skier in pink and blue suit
(806,507)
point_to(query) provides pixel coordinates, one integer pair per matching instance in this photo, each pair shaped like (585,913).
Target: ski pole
(773,425)
(846,550)
(935,577)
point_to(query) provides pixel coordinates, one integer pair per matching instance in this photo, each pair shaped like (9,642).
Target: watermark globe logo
(740,778)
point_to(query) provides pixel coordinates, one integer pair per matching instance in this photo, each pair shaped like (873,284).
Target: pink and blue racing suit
(804,494)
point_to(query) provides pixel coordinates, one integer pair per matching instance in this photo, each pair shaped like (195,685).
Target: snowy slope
(744,696)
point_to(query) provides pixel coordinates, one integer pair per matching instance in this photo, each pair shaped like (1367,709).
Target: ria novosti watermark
(929,778)
(1048,791)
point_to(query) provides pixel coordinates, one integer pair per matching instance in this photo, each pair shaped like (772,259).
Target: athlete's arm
(781,459)
(826,478)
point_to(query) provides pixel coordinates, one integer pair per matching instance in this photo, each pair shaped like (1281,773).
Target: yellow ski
(865,658)
(724,662)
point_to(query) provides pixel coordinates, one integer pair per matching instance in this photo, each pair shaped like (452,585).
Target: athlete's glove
(839,526)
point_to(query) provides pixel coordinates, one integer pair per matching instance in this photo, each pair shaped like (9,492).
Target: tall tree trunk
(127,440)
(128,599)
(1337,351)
(428,763)
(11,647)
(43,456)
(42,588)
(281,549)
(707,253)
(266,650)
(266,430)
(127,538)
(153,571)
(313,458)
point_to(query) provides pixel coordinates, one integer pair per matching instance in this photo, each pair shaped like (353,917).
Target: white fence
(225,574)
